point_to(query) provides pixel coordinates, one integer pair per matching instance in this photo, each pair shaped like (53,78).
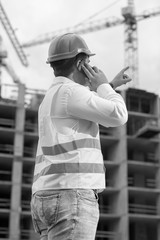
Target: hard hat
(67,46)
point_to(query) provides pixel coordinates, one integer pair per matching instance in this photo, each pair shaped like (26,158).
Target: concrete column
(158,197)
(120,202)
(15,214)
(158,171)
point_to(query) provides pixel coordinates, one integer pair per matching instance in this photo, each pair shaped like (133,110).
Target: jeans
(65,214)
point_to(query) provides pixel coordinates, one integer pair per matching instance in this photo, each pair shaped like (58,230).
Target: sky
(32,18)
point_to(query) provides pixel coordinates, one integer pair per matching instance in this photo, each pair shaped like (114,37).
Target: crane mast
(12,36)
(3,53)
(131,41)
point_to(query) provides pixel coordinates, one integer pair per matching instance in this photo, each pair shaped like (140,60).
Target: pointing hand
(121,78)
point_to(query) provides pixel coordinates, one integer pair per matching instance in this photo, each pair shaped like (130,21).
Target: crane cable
(97,13)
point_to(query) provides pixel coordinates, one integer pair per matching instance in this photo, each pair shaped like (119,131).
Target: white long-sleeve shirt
(75,102)
(69,153)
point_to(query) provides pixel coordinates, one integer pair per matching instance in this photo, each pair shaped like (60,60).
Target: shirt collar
(61,79)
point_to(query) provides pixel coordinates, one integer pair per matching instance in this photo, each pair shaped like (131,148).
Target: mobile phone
(80,63)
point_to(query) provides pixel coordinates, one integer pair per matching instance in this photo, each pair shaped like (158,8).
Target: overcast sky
(31,18)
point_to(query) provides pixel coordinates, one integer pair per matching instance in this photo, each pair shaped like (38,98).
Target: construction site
(130,204)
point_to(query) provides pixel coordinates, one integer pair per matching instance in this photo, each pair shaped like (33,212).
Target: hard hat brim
(64,56)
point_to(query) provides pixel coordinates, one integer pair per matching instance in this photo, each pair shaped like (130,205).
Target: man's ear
(79,65)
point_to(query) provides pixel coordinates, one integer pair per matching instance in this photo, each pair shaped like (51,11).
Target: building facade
(130,204)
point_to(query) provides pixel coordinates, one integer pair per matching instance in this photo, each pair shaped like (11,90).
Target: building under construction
(130,204)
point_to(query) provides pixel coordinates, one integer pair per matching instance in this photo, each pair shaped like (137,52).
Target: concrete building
(129,206)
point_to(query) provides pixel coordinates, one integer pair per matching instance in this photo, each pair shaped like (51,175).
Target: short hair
(66,66)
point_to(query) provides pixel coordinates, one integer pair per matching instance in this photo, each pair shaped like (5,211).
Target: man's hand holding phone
(94,76)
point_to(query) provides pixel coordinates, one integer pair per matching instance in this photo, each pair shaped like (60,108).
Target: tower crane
(129,19)
(17,46)
(12,36)
(4,63)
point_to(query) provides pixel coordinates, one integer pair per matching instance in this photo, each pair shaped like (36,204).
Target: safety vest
(66,162)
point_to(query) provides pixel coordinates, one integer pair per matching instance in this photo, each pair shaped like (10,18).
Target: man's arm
(105,107)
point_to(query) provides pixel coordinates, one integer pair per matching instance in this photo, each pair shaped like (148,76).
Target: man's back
(68,154)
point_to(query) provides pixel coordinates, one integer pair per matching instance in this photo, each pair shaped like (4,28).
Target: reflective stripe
(70,146)
(71,168)
(65,156)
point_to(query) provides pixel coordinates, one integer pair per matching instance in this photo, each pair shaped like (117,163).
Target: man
(69,170)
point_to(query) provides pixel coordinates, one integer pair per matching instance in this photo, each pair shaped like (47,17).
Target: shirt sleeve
(105,107)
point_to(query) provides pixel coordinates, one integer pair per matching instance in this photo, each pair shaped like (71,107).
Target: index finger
(125,69)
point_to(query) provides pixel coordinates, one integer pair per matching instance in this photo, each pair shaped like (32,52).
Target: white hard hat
(67,46)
